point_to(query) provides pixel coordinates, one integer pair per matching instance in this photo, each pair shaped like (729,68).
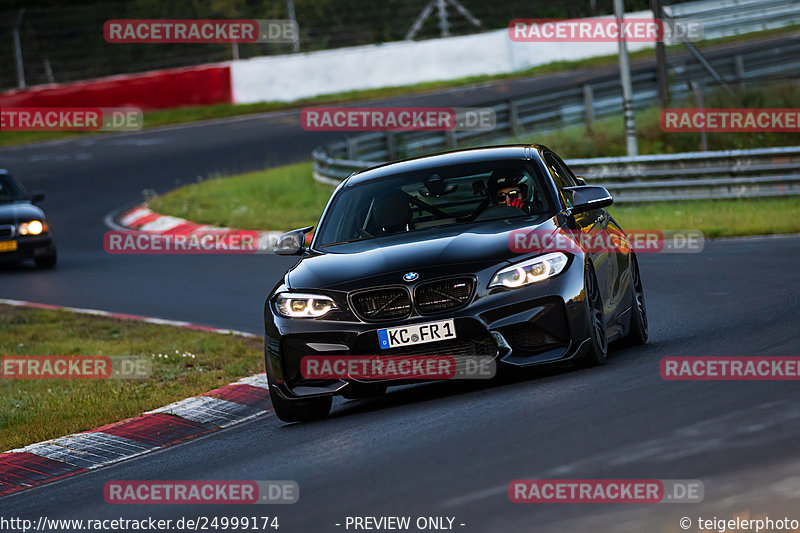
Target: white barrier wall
(290,77)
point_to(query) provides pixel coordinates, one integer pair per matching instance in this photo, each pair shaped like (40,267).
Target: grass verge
(36,410)
(192,114)
(287,197)
(715,218)
(280,198)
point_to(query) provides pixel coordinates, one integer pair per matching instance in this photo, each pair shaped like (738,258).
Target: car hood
(14,213)
(434,253)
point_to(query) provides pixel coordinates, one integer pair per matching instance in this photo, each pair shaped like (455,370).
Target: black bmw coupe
(419,257)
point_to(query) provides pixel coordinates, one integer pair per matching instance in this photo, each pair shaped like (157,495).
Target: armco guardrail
(583,103)
(724,18)
(696,175)
(549,110)
(651,178)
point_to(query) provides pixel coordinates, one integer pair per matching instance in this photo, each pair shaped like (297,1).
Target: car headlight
(294,305)
(34,227)
(530,271)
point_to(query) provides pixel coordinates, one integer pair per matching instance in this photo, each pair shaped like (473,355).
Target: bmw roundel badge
(410,276)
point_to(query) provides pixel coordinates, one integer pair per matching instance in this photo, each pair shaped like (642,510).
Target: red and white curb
(55,459)
(48,461)
(142,218)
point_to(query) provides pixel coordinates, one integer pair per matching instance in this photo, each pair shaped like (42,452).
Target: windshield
(10,190)
(434,197)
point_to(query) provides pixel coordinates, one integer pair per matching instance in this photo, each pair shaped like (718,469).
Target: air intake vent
(443,295)
(382,304)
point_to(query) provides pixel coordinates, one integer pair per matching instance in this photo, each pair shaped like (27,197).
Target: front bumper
(538,324)
(28,247)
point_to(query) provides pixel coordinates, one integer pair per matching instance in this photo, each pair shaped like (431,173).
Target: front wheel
(597,353)
(46,261)
(301,410)
(638,329)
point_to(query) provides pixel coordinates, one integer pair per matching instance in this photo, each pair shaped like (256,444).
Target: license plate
(8,246)
(416,334)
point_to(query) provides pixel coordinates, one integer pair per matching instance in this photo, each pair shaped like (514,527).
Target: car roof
(458,157)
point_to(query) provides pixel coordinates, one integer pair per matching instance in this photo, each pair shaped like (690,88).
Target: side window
(555,171)
(568,175)
(561,174)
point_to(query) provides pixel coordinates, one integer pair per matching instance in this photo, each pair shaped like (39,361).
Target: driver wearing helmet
(508,190)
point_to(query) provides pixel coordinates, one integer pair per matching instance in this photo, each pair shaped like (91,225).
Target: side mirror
(37,196)
(293,242)
(581,180)
(588,197)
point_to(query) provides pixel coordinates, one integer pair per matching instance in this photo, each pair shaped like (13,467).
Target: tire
(637,335)
(46,262)
(597,354)
(301,410)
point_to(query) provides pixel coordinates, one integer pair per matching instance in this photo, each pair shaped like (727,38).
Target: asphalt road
(432,450)
(449,450)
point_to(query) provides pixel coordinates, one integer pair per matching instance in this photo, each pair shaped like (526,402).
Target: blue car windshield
(10,190)
(434,197)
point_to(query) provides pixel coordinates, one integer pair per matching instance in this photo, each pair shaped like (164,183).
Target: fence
(724,18)
(585,103)
(550,110)
(65,43)
(696,175)
(685,176)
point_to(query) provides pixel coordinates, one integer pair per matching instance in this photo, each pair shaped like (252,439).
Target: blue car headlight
(34,227)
